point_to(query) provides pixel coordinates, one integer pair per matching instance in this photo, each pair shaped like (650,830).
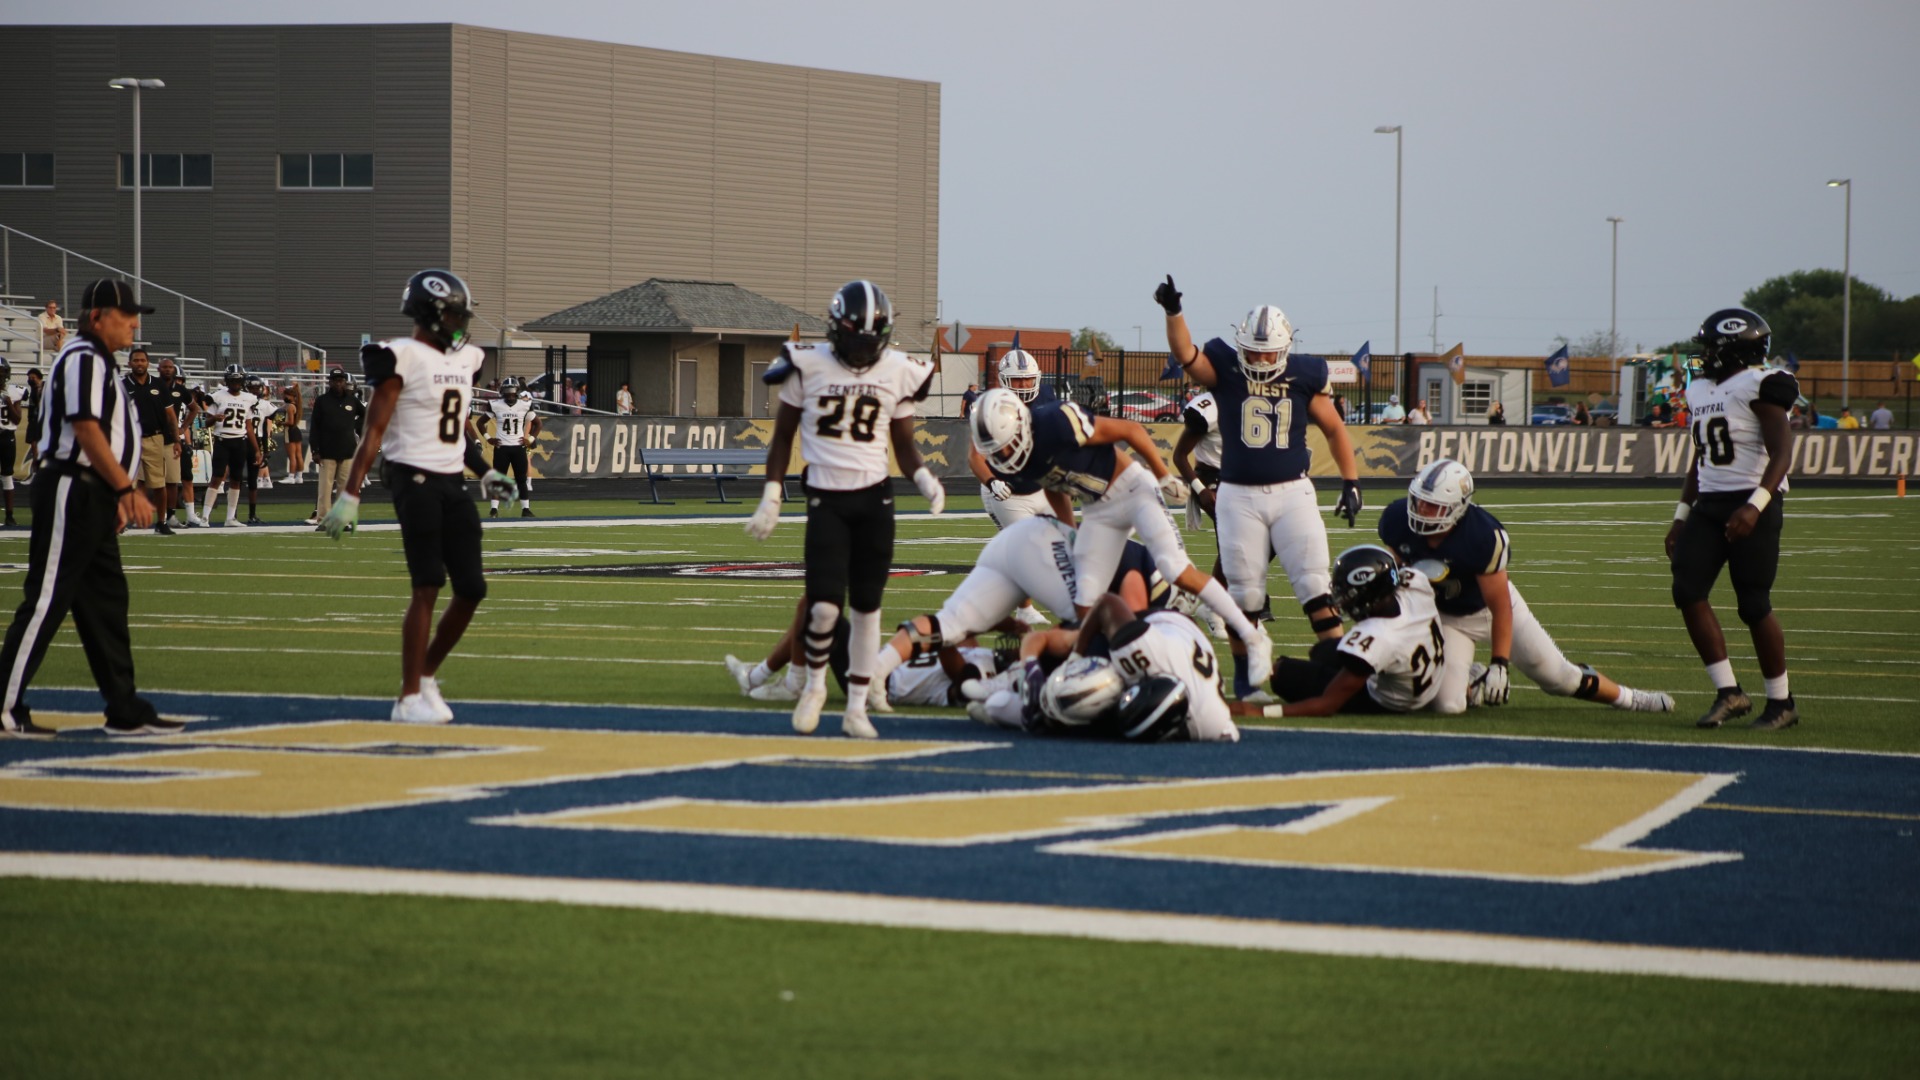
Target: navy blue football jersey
(1063,457)
(1135,556)
(1476,545)
(1020,484)
(1263,428)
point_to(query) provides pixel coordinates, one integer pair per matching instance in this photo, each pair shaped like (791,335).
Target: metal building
(296,175)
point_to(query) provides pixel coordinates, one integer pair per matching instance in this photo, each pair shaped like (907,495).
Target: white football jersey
(845,414)
(231,412)
(1032,559)
(510,421)
(1174,645)
(429,426)
(1405,650)
(1208,452)
(1727,443)
(922,681)
(10,396)
(264,410)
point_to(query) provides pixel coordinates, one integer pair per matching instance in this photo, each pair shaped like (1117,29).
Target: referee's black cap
(112,293)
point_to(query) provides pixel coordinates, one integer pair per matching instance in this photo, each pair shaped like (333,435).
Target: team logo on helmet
(437,286)
(1732,326)
(1360,575)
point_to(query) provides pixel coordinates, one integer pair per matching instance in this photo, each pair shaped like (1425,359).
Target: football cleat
(774,691)
(493,511)
(1260,697)
(982,689)
(855,725)
(742,673)
(1730,705)
(1031,616)
(877,697)
(415,709)
(1650,701)
(1259,658)
(526,511)
(430,689)
(806,712)
(1777,715)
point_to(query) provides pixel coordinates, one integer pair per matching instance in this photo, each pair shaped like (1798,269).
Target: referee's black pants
(73,564)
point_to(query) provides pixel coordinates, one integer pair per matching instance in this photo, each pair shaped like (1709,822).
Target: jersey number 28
(866,413)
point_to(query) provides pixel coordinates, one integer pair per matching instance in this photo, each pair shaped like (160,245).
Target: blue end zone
(1829,864)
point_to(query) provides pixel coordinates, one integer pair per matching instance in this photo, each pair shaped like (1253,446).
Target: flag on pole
(1791,364)
(938,331)
(1456,359)
(1172,372)
(1363,361)
(1559,371)
(1093,348)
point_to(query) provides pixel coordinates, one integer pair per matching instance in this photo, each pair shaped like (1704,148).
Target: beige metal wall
(581,167)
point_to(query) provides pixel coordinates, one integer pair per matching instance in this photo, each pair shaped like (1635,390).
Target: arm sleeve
(1780,388)
(378,363)
(792,386)
(1195,423)
(476,461)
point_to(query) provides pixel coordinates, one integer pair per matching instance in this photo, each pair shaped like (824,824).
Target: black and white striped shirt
(85,385)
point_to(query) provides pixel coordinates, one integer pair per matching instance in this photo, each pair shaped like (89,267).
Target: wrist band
(1682,510)
(1759,499)
(1196,485)
(774,491)
(1273,712)
(125,491)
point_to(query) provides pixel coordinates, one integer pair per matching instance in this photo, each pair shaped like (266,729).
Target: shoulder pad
(782,366)
(926,387)
(1308,372)
(377,362)
(1779,388)
(1218,351)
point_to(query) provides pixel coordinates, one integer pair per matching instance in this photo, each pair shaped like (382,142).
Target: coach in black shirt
(158,436)
(333,434)
(82,498)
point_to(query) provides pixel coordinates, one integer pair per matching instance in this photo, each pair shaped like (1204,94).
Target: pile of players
(1129,662)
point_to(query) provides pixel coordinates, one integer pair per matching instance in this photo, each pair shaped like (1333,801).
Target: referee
(82,499)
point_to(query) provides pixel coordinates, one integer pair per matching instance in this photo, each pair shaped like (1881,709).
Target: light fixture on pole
(1139,341)
(1394,130)
(1846,291)
(137,85)
(1613,319)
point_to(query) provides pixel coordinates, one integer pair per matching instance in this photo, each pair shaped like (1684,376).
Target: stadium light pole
(1846,291)
(1613,319)
(1394,130)
(137,85)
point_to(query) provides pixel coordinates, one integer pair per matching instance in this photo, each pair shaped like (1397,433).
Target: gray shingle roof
(660,305)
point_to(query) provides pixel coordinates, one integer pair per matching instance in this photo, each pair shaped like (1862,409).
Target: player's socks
(1777,688)
(1242,686)
(760,675)
(213,494)
(1722,675)
(233,504)
(1216,598)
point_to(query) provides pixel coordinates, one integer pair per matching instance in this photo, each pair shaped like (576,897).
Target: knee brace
(1754,606)
(821,618)
(1589,687)
(923,642)
(1251,599)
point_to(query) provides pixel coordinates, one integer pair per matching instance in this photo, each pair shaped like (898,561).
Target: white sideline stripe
(967,916)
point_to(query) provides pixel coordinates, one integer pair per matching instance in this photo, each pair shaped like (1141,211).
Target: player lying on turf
(1463,552)
(1145,679)
(1064,448)
(932,677)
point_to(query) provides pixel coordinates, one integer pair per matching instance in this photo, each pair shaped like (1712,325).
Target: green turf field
(171,981)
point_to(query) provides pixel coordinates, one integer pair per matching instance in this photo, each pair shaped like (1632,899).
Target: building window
(349,172)
(1476,398)
(26,170)
(168,171)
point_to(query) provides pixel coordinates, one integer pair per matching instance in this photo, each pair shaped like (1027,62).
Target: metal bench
(718,459)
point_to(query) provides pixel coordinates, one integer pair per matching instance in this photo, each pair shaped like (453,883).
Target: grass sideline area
(175,981)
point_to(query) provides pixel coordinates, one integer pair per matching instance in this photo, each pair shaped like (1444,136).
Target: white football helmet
(1438,497)
(1081,689)
(1020,373)
(1268,336)
(1002,430)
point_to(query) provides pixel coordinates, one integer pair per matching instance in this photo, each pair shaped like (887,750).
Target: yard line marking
(795,905)
(1798,812)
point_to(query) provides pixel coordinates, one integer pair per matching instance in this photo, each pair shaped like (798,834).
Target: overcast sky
(1089,148)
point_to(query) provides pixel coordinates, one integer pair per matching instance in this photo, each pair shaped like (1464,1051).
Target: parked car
(1551,416)
(1144,406)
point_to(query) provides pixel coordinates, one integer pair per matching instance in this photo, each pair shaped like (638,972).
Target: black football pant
(512,460)
(849,545)
(1302,680)
(73,564)
(1702,550)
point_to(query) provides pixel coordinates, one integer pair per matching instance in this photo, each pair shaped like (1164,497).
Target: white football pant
(1032,558)
(1256,522)
(1017,508)
(1132,504)
(1534,654)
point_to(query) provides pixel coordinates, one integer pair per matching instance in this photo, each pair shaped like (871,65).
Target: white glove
(498,485)
(999,490)
(767,514)
(936,495)
(1493,684)
(1173,489)
(341,518)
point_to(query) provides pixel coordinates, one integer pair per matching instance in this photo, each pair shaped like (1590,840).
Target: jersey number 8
(866,412)
(1263,421)
(450,414)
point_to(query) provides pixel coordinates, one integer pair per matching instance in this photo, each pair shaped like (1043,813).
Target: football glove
(1350,501)
(343,516)
(929,486)
(1000,491)
(498,485)
(767,514)
(1493,684)
(1173,489)
(1168,297)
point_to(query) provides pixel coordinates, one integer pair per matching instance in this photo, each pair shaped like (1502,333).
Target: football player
(1730,510)
(1063,448)
(1151,678)
(236,443)
(1010,500)
(1264,502)
(265,408)
(1395,658)
(515,427)
(423,388)
(1463,552)
(849,398)
(1197,457)
(10,417)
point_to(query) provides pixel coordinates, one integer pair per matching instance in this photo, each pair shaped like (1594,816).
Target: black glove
(1350,502)
(1168,297)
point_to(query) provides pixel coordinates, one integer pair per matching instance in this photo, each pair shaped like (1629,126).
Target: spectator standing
(623,401)
(1881,419)
(333,430)
(90,440)
(1419,417)
(1393,413)
(1497,416)
(967,399)
(1581,417)
(53,329)
(156,418)
(296,438)
(1848,421)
